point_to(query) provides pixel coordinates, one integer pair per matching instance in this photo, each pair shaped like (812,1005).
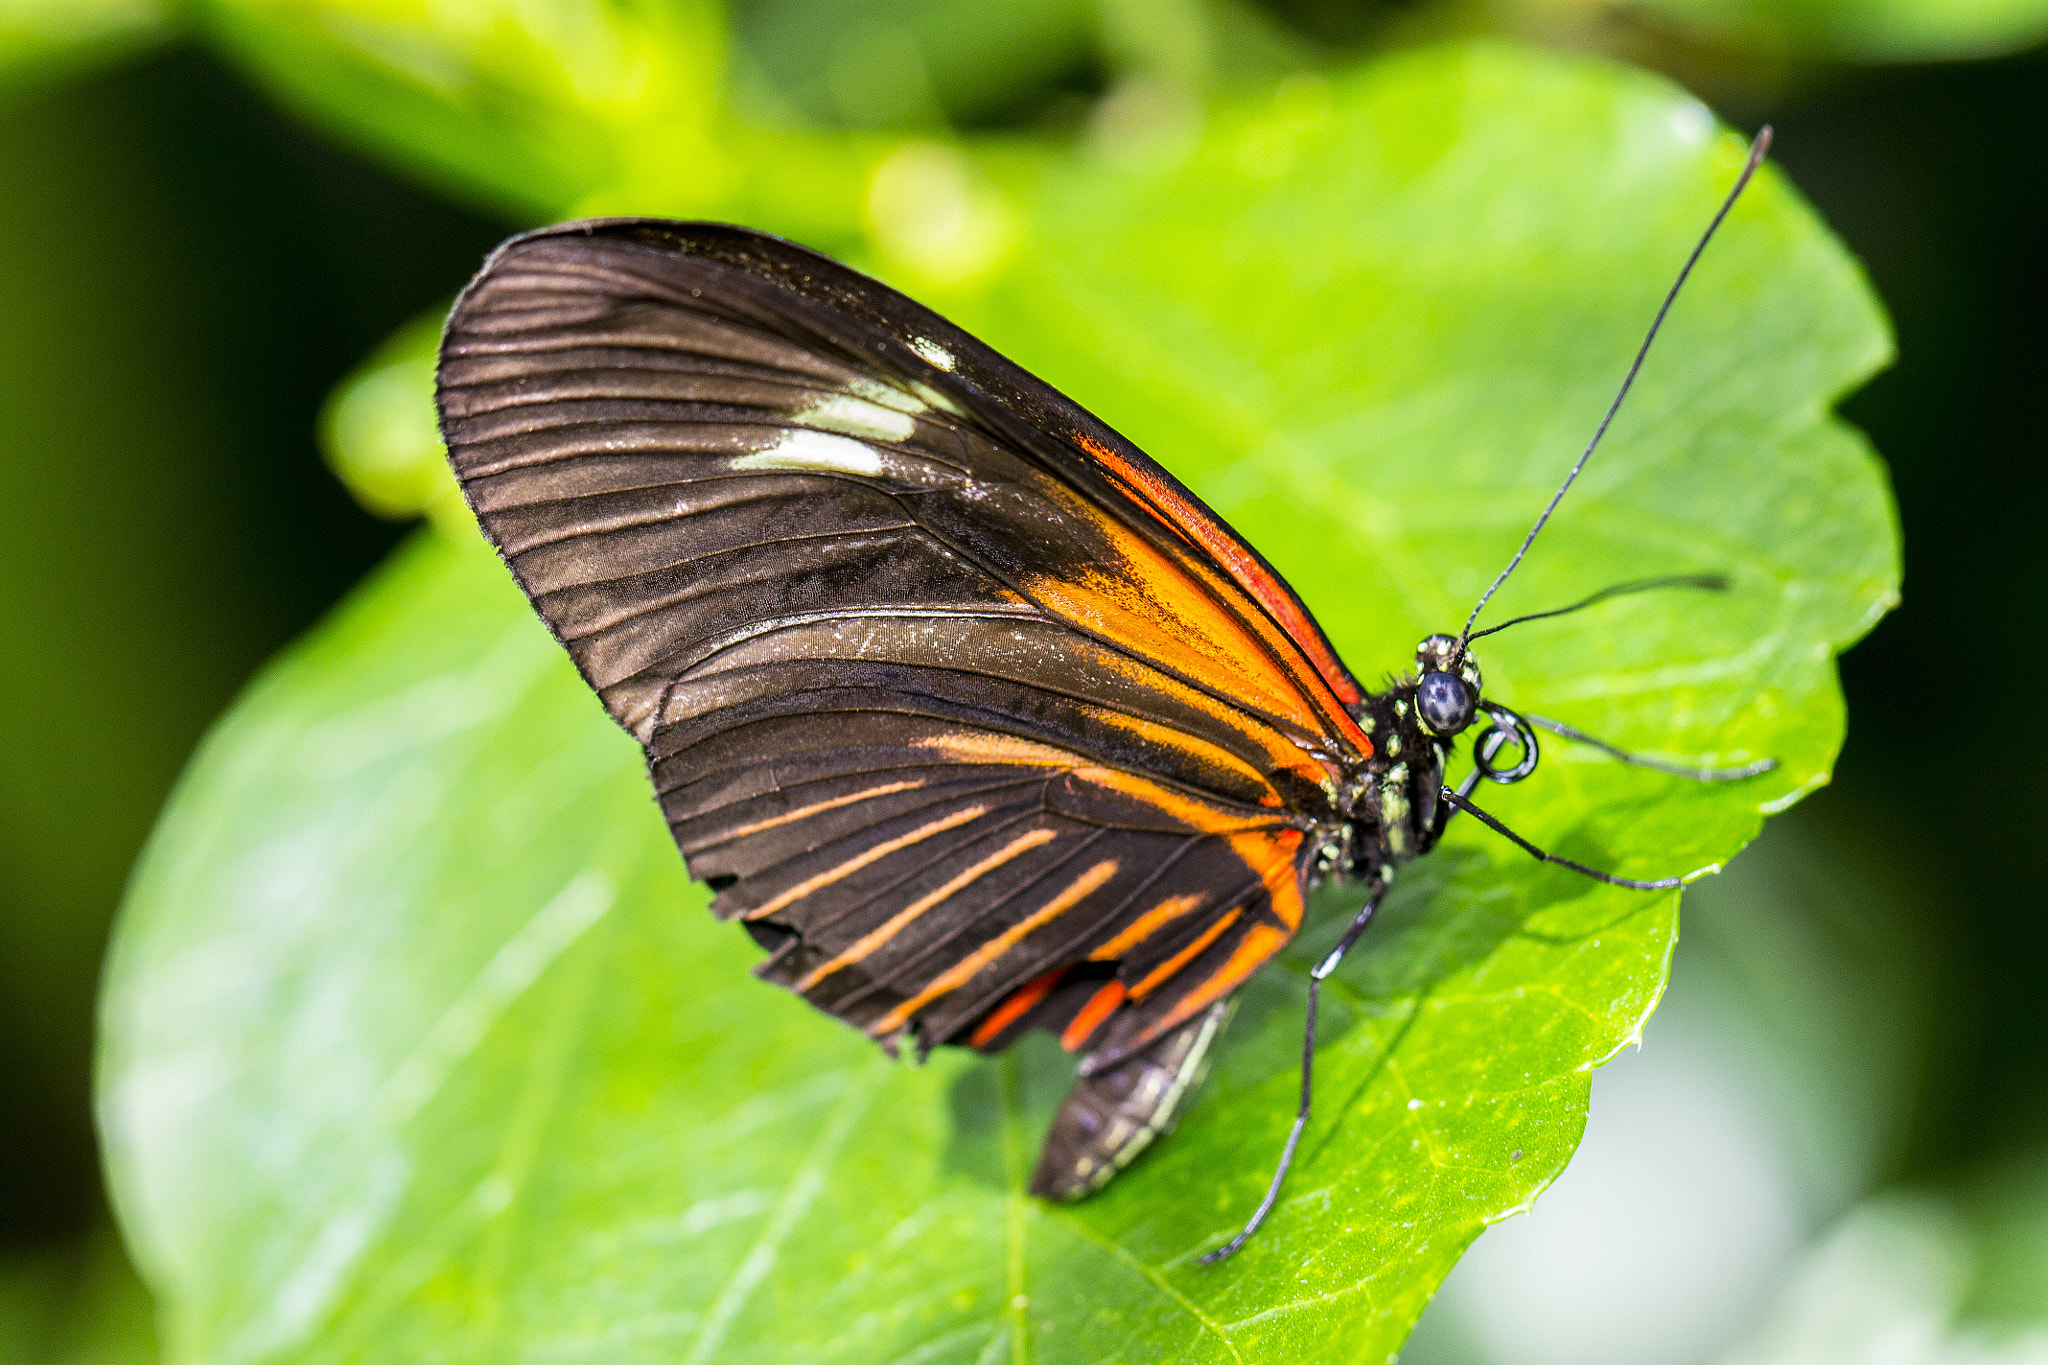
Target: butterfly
(972,715)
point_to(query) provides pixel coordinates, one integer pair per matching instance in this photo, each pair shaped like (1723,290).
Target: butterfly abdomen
(1112,1115)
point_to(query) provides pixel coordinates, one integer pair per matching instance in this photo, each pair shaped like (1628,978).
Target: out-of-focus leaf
(145,580)
(574,108)
(379,434)
(927,64)
(418,1043)
(1902,1279)
(2008,1210)
(82,1307)
(549,110)
(919,63)
(44,39)
(532,106)
(1861,30)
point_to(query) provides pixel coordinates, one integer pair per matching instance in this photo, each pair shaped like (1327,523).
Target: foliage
(1770,1093)
(1916,1275)
(574,107)
(43,40)
(417,1040)
(585,106)
(1863,30)
(377,431)
(87,1309)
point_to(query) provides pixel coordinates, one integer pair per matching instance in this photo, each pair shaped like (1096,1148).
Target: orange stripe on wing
(1182,615)
(1187,809)
(1100,1006)
(875,938)
(1152,608)
(992,747)
(1147,924)
(862,859)
(835,803)
(1179,511)
(1270,853)
(1165,971)
(1267,846)
(1016,1005)
(986,746)
(962,971)
(1218,760)
(1275,858)
(1260,942)
(1281,752)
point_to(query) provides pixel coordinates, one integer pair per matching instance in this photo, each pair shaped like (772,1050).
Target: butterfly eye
(1445,703)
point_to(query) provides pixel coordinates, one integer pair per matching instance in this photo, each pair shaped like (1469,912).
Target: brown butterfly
(972,715)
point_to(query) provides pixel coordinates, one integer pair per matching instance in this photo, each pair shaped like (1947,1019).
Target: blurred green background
(1835,1140)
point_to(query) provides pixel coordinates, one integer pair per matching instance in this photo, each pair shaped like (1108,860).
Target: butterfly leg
(1577,736)
(1316,977)
(1458,801)
(1111,1116)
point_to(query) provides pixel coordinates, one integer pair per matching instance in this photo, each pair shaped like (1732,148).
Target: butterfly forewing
(974,716)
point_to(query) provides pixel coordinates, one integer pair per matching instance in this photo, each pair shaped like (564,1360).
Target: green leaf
(418,1043)
(380,434)
(927,64)
(1862,30)
(557,109)
(2007,1209)
(913,63)
(1963,1280)
(531,106)
(75,1306)
(42,40)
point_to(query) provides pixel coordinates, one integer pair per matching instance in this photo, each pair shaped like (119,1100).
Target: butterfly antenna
(1757,149)
(1709,582)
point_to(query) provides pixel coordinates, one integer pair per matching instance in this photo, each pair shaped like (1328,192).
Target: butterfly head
(1447,685)
(1392,798)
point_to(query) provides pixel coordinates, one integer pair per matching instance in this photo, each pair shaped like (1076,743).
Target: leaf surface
(418,1042)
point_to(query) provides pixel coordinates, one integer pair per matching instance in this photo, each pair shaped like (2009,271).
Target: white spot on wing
(857,416)
(887,395)
(816,450)
(932,351)
(935,398)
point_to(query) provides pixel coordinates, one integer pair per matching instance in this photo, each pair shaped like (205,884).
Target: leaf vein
(1158,1282)
(796,1201)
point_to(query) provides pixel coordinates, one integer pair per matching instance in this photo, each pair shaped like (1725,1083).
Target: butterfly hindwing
(972,714)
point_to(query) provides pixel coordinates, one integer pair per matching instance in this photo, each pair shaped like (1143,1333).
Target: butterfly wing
(975,717)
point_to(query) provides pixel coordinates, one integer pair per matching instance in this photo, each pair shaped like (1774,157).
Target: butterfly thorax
(1391,801)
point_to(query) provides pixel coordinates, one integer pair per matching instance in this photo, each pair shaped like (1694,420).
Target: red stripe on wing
(1100,1006)
(1016,1005)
